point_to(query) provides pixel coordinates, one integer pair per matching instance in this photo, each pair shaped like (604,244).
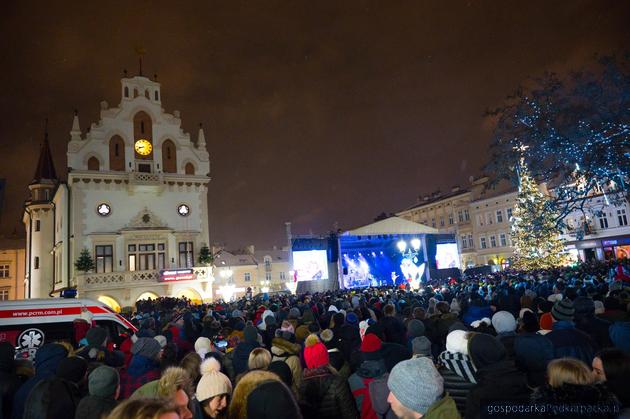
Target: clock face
(183,210)
(143,147)
(103,210)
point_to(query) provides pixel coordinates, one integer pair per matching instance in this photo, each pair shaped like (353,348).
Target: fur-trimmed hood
(282,347)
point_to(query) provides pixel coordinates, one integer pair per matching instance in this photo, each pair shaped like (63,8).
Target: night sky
(314,112)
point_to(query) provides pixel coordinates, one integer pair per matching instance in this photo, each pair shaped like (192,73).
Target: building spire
(75,132)
(140,51)
(45,167)
(201,138)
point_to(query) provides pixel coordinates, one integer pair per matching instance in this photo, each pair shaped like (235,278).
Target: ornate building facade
(135,198)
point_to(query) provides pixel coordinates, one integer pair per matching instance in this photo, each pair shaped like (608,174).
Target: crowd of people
(552,343)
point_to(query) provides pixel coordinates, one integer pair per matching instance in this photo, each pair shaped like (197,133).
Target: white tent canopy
(391,225)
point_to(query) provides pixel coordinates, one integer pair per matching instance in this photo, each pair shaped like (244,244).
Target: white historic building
(135,198)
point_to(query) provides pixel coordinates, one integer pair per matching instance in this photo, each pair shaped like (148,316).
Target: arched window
(169,157)
(143,129)
(146,94)
(135,92)
(189,169)
(126,91)
(157,96)
(116,153)
(93,163)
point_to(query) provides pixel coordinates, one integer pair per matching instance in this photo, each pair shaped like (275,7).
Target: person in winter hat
(323,392)
(457,369)
(104,388)
(372,367)
(143,368)
(498,380)
(567,340)
(416,390)
(96,350)
(532,350)
(504,324)
(213,390)
(272,400)
(240,355)
(203,346)
(47,358)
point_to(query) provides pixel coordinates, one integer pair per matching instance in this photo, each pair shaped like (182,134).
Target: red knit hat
(315,353)
(546,321)
(371,343)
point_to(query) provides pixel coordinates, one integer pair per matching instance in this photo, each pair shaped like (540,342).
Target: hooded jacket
(289,353)
(498,380)
(47,359)
(360,383)
(379,392)
(458,373)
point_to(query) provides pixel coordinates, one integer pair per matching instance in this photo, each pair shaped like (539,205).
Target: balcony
(126,279)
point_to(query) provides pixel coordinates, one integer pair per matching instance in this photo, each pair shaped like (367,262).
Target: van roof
(49,301)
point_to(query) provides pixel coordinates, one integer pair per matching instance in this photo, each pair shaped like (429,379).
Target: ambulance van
(28,324)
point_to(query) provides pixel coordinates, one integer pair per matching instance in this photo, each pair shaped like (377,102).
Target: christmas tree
(206,258)
(84,263)
(535,234)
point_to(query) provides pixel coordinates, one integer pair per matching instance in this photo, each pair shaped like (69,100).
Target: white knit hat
(203,346)
(457,342)
(213,383)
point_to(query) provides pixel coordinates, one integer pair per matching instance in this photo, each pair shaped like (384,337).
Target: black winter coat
(94,407)
(457,387)
(9,381)
(240,356)
(324,394)
(585,395)
(498,383)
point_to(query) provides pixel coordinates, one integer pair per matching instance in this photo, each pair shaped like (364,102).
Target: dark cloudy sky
(316,112)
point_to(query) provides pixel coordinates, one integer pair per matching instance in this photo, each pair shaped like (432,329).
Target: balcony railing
(130,278)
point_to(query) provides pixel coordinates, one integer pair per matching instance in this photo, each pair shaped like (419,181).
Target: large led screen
(446,256)
(391,261)
(310,265)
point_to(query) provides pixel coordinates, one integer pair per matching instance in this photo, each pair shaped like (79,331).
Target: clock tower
(136,198)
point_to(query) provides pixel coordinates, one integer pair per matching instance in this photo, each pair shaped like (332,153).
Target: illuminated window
(104,258)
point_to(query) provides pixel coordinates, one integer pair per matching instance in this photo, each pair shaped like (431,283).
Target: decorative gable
(145,219)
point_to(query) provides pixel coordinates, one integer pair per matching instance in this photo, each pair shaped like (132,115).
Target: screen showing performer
(310,265)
